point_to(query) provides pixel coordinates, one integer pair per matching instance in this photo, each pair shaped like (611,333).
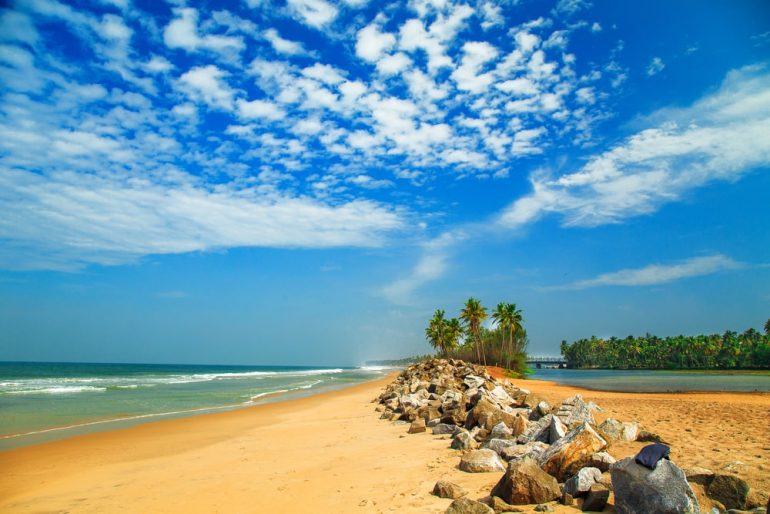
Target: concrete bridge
(546,361)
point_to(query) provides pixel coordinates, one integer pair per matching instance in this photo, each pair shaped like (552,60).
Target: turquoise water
(45,401)
(655,381)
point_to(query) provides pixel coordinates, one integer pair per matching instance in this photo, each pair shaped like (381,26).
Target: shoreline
(330,452)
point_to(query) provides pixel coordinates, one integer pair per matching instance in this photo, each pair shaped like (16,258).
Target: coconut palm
(436,331)
(473,314)
(453,332)
(509,319)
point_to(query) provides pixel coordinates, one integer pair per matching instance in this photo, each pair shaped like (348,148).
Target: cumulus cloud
(283,46)
(182,32)
(207,84)
(655,66)
(720,137)
(655,274)
(315,13)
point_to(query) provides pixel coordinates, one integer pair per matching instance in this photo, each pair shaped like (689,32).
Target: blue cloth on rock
(651,454)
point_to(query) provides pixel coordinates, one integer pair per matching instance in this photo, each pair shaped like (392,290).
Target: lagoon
(662,381)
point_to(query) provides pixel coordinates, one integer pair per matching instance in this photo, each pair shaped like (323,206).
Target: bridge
(547,361)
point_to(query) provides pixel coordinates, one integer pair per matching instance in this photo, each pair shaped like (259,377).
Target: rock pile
(546,452)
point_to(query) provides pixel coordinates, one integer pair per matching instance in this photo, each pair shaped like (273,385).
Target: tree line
(731,350)
(465,337)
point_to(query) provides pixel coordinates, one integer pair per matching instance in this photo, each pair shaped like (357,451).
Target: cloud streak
(656,274)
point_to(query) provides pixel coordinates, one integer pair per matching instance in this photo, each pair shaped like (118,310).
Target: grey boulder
(663,490)
(481,461)
(580,484)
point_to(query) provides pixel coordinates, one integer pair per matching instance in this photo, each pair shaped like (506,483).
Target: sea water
(45,401)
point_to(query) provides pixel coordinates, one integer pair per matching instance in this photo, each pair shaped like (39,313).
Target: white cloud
(393,64)
(182,32)
(596,27)
(259,109)
(720,137)
(207,84)
(73,220)
(568,8)
(467,75)
(324,73)
(371,44)
(283,46)
(655,66)
(315,13)
(655,274)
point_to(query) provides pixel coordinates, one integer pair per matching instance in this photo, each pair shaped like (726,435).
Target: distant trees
(504,346)
(767,327)
(726,351)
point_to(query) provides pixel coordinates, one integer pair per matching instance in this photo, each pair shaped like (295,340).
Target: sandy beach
(331,453)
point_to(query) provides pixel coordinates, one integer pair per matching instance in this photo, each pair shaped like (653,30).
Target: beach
(330,453)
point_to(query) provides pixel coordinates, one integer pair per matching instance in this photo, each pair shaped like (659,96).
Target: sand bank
(330,453)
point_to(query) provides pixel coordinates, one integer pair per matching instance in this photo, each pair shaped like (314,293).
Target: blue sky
(304,182)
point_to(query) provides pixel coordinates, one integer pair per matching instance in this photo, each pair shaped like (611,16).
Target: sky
(305,182)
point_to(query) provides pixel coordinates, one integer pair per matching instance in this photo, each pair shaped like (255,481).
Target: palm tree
(453,332)
(508,318)
(767,326)
(473,314)
(436,331)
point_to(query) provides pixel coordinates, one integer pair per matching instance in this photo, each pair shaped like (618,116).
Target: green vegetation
(749,350)
(466,338)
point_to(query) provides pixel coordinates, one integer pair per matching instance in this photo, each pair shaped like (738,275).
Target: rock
(663,490)
(567,499)
(573,451)
(700,476)
(543,408)
(525,483)
(543,507)
(729,490)
(539,430)
(417,426)
(520,424)
(580,483)
(557,430)
(596,499)
(444,489)
(616,431)
(463,441)
(481,461)
(500,506)
(500,431)
(574,411)
(466,506)
(606,480)
(601,460)
(501,396)
(521,451)
(649,437)
(498,445)
(443,428)
(486,415)
(473,382)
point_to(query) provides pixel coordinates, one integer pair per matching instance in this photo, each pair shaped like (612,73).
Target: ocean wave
(64,385)
(279,391)
(375,368)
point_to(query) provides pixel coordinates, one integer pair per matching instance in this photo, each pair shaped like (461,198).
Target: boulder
(663,490)
(557,430)
(473,382)
(698,475)
(500,506)
(646,436)
(574,411)
(601,460)
(500,431)
(539,430)
(521,451)
(543,408)
(444,489)
(519,425)
(501,396)
(525,483)
(729,490)
(543,507)
(596,499)
(579,484)
(463,441)
(417,426)
(486,415)
(498,445)
(616,431)
(481,461)
(466,506)
(573,451)
(444,428)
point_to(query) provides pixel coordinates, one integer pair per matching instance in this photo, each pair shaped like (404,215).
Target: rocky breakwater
(547,453)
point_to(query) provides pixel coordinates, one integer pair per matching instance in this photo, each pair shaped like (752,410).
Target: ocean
(45,401)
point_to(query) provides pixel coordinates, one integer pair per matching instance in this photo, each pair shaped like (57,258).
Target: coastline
(329,452)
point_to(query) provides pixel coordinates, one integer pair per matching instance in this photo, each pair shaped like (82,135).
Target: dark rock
(567,499)
(525,483)
(700,476)
(481,461)
(596,499)
(663,490)
(466,506)
(443,428)
(580,483)
(573,451)
(729,490)
(649,437)
(444,489)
